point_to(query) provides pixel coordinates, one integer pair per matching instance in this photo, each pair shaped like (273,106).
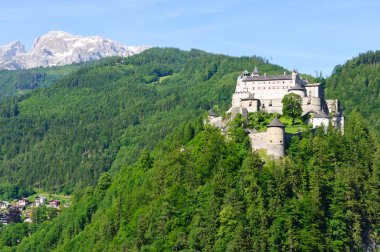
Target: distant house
(54,203)
(23,202)
(4,204)
(39,201)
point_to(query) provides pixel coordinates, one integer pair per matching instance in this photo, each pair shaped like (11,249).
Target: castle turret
(321,119)
(294,74)
(245,73)
(298,90)
(255,72)
(276,139)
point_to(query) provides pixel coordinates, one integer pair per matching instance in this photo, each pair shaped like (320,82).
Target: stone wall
(258,140)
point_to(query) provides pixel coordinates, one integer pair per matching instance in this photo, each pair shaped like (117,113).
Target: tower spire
(255,72)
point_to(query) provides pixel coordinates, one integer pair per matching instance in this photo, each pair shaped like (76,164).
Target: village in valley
(31,210)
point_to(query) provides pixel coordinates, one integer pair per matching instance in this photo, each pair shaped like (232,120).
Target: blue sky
(307,35)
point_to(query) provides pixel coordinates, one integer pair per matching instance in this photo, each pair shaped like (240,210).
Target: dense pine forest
(23,81)
(356,84)
(126,137)
(66,135)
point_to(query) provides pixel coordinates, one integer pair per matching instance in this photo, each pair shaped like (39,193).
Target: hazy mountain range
(58,48)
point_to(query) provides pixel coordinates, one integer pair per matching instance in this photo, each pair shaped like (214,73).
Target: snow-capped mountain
(58,48)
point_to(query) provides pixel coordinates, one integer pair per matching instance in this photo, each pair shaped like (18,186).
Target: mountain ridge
(57,48)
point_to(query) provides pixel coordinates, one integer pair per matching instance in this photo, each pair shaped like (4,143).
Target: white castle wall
(258,140)
(314,90)
(265,93)
(216,121)
(317,122)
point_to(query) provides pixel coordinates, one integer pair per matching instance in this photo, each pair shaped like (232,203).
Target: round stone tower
(298,90)
(276,139)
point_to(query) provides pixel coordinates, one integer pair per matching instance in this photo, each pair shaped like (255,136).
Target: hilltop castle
(255,92)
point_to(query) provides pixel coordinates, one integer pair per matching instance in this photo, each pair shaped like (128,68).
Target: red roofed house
(54,203)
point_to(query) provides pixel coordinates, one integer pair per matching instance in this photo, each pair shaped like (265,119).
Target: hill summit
(58,48)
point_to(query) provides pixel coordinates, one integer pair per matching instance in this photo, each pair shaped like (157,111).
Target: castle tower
(321,119)
(298,90)
(276,139)
(294,74)
(255,72)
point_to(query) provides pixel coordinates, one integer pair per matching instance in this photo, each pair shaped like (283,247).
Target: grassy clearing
(161,79)
(298,125)
(50,196)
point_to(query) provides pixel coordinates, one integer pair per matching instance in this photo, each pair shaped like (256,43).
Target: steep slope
(20,82)
(199,192)
(357,85)
(64,136)
(61,48)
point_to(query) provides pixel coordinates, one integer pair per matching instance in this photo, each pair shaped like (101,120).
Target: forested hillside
(20,82)
(199,192)
(357,85)
(64,136)
(128,134)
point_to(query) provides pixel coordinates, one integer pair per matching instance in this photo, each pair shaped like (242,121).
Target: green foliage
(197,190)
(291,106)
(20,82)
(63,137)
(357,85)
(11,235)
(204,194)
(260,120)
(43,213)
(13,191)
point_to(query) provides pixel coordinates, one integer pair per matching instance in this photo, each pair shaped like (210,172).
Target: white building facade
(257,92)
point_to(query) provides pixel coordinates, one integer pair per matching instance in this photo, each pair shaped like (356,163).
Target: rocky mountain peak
(60,48)
(10,50)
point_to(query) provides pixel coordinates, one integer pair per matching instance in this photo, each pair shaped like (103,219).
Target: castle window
(280,141)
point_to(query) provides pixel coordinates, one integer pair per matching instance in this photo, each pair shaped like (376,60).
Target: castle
(255,92)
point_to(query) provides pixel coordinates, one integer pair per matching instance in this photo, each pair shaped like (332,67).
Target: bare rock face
(58,48)
(10,50)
